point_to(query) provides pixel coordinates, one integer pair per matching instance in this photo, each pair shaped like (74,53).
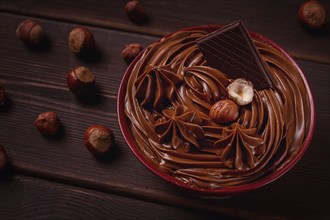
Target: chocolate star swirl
(172,79)
(181,127)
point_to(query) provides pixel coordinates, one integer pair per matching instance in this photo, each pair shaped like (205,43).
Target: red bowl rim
(124,127)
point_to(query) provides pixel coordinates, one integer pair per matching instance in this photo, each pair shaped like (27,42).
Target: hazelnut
(3,95)
(135,11)
(131,51)
(30,32)
(241,91)
(312,14)
(81,41)
(98,139)
(48,123)
(80,80)
(3,159)
(224,111)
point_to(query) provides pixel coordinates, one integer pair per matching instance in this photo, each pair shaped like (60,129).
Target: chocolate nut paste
(169,94)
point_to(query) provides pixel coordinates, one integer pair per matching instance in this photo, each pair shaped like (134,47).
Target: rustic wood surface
(40,199)
(35,80)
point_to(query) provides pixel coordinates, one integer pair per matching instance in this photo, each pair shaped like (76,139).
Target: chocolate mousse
(170,93)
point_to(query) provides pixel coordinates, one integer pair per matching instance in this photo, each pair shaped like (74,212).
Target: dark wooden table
(60,179)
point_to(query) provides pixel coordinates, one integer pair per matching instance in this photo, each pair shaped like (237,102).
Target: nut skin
(131,51)
(224,111)
(48,123)
(3,159)
(135,11)
(80,81)
(30,32)
(3,95)
(312,15)
(98,139)
(81,41)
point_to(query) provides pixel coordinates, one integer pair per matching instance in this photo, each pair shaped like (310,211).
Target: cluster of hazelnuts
(80,80)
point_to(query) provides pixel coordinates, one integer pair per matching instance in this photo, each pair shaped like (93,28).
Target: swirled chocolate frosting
(169,94)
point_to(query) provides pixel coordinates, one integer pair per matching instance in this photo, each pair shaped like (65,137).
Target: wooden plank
(275,19)
(25,197)
(35,82)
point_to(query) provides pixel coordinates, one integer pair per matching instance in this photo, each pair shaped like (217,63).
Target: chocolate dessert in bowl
(216,110)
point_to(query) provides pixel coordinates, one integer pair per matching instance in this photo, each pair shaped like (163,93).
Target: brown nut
(312,14)
(224,111)
(48,123)
(98,139)
(3,95)
(3,159)
(80,81)
(30,32)
(131,51)
(81,41)
(135,11)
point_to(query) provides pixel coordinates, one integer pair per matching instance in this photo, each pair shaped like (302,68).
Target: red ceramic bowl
(218,192)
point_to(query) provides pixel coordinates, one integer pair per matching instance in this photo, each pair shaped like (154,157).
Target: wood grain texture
(35,82)
(274,19)
(24,197)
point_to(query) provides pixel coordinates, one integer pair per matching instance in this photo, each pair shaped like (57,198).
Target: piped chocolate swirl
(169,95)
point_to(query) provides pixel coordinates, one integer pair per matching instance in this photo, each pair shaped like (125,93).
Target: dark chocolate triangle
(231,50)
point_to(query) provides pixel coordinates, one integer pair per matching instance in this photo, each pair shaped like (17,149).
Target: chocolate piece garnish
(231,50)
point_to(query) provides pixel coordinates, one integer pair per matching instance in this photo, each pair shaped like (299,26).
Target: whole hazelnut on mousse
(312,14)
(80,80)
(98,139)
(224,111)
(48,123)
(131,51)
(30,32)
(135,11)
(81,41)
(3,159)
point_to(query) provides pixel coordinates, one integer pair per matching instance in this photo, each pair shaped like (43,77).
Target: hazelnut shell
(80,80)
(81,41)
(312,14)
(30,32)
(98,139)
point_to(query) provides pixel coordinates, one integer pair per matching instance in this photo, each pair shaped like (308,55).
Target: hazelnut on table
(312,14)
(131,51)
(135,11)
(81,41)
(98,139)
(80,81)
(48,123)
(30,32)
